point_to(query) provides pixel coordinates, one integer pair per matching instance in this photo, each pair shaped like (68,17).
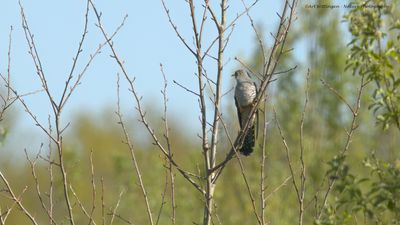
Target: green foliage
(374,199)
(374,54)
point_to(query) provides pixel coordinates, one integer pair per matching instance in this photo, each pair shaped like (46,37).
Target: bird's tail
(249,141)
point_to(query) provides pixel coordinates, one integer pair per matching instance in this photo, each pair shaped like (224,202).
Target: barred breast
(245,93)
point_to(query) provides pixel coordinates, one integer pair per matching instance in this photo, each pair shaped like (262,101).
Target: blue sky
(145,41)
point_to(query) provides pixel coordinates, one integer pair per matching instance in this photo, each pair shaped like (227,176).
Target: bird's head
(241,75)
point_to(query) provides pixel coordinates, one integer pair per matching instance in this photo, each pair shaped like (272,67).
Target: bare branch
(242,170)
(50,170)
(176,28)
(75,59)
(81,205)
(257,74)
(227,27)
(269,69)
(93,187)
(278,188)
(288,158)
(91,58)
(258,35)
(185,88)
(35,57)
(103,216)
(353,127)
(143,119)
(334,91)
(263,162)
(32,164)
(116,207)
(17,200)
(303,166)
(133,156)
(9,62)
(166,136)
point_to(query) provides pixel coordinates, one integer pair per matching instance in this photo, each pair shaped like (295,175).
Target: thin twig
(262,167)
(103,216)
(278,187)
(288,158)
(93,188)
(353,126)
(270,68)
(303,166)
(18,199)
(257,74)
(228,26)
(185,88)
(50,170)
(210,153)
(139,108)
(116,207)
(176,28)
(32,164)
(76,58)
(166,130)
(341,98)
(87,214)
(164,192)
(9,61)
(243,173)
(258,35)
(133,155)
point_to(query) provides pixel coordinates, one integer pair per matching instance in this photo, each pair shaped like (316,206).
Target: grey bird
(245,93)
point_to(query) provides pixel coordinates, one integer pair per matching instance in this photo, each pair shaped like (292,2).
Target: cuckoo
(245,93)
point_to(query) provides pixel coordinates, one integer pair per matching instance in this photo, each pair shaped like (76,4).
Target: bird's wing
(257,114)
(238,112)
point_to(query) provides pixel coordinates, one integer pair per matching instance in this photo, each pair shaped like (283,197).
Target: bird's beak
(232,75)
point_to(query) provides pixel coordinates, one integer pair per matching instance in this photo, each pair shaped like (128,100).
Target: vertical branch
(166,136)
(221,42)
(93,188)
(258,35)
(7,100)
(243,173)
(32,164)
(288,157)
(201,84)
(103,214)
(35,58)
(303,166)
(69,88)
(353,126)
(3,216)
(262,169)
(128,142)
(139,107)
(75,59)
(9,62)
(274,57)
(164,192)
(209,153)
(50,170)
(210,156)
(57,113)
(59,144)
